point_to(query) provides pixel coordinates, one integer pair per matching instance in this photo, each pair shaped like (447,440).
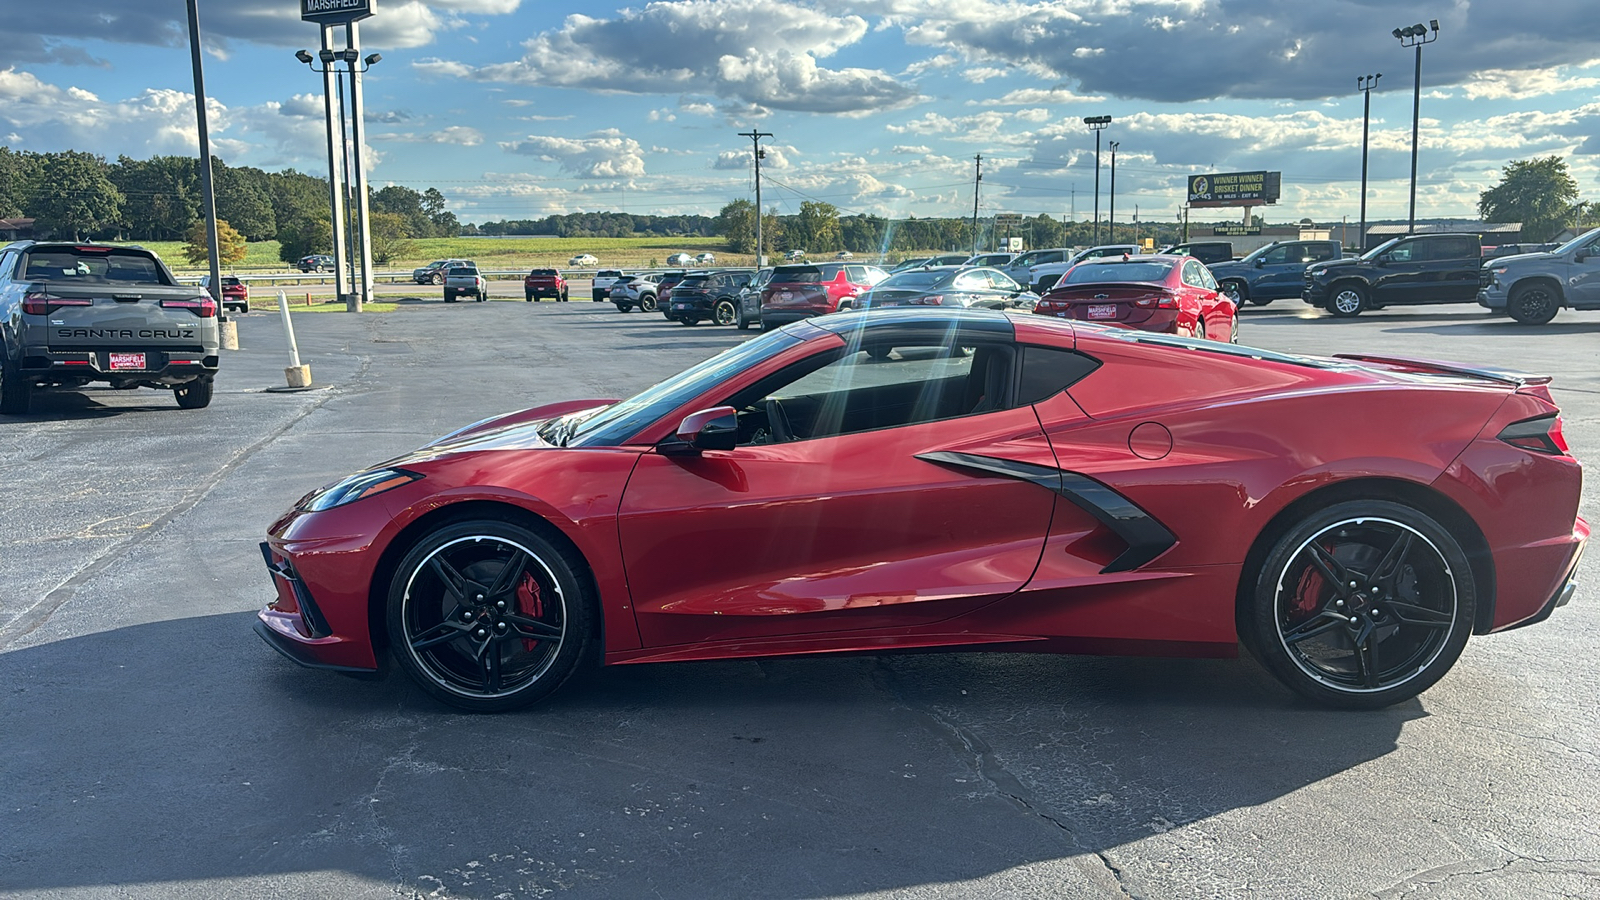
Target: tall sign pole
(334,111)
(352,57)
(227,329)
(343,175)
(756,151)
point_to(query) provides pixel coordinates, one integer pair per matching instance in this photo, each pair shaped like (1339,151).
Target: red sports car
(1171,294)
(954,478)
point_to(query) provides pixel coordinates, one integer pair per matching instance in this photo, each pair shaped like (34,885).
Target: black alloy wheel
(1362,605)
(1347,300)
(195,394)
(488,615)
(725,312)
(1533,304)
(647,302)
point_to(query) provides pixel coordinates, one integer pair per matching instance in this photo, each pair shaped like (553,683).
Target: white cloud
(1503,84)
(462,135)
(603,154)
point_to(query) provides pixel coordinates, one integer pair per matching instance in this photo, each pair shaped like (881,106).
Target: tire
(1298,623)
(1200,329)
(195,394)
(740,322)
(449,297)
(16,395)
(647,302)
(563,295)
(529,628)
(1233,331)
(319,270)
(689,320)
(482,296)
(1348,300)
(624,307)
(725,312)
(528,297)
(438,278)
(1533,304)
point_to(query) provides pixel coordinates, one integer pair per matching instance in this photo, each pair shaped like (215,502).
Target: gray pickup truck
(461,279)
(1532,287)
(73,314)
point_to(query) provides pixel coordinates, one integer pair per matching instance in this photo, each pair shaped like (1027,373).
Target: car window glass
(98,266)
(1047,371)
(1003,282)
(856,274)
(1277,256)
(1454,248)
(1191,275)
(878,386)
(1206,281)
(971,281)
(1317,253)
(1405,251)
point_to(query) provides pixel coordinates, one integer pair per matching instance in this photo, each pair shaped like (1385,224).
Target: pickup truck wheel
(1347,300)
(449,297)
(725,313)
(647,302)
(563,295)
(1533,304)
(482,296)
(16,395)
(528,297)
(194,395)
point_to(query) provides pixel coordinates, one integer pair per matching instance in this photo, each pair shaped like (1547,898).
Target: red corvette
(1170,294)
(954,478)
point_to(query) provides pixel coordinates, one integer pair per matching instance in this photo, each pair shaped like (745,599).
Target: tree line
(76,195)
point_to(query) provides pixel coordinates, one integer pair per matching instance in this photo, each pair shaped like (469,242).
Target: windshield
(92,265)
(1577,242)
(616,423)
(461,271)
(694,281)
(914,280)
(796,274)
(1090,273)
(1381,248)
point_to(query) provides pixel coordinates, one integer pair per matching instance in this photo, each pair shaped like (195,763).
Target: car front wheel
(1533,304)
(1362,605)
(487,615)
(1348,300)
(438,279)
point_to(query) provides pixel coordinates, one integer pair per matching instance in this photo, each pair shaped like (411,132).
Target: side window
(856,274)
(1455,248)
(1003,282)
(1191,274)
(971,281)
(879,386)
(1052,256)
(1317,252)
(8,260)
(1206,281)
(1405,251)
(1047,371)
(1277,256)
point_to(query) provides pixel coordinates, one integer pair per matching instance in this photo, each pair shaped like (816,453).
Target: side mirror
(716,428)
(1381,260)
(1580,256)
(1261,261)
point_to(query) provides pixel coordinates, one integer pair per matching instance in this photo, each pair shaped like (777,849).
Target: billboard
(335,12)
(1235,188)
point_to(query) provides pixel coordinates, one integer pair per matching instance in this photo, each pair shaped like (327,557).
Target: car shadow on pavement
(1503,326)
(62,405)
(182,750)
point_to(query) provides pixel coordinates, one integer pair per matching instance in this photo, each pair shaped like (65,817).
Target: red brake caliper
(529,604)
(1309,591)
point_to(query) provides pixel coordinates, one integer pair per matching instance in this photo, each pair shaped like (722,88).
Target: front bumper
(1493,297)
(1314,294)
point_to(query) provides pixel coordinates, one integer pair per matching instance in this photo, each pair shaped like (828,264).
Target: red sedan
(953,479)
(1169,294)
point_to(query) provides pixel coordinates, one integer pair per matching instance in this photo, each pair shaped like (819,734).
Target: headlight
(356,487)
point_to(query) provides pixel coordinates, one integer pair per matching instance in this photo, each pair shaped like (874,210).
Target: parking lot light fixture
(1111,216)
(1365,84)
(1097,124)
(1416,36)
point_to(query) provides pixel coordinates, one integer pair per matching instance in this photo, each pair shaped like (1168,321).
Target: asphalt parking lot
(153,746)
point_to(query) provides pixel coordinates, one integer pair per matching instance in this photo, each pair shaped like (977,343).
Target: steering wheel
(778,422)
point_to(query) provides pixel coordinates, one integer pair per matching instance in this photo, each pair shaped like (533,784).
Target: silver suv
(72,314)
(1532,287)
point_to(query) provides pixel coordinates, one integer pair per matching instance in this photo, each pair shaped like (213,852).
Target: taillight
(927,300)
(1540,435)
(1164,300)
(39,303)
(204,307)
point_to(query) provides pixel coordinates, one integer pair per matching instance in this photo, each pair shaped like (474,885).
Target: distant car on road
(316,262)
(813,289)
(795,255)
(434,272)
(235,294)
(463,279)
(583,259)
(76,313)
(1275,271)
(1410,270)
(949,286)
(844,254)
(680,259)
(544,283)
(706,259)
(712,295)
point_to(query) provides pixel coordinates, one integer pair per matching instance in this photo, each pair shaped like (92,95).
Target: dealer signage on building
(1235,230)
(335,12)
(1235,188)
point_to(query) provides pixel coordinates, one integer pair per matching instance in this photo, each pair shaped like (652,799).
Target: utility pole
(977,179)
(756,151)
(1365,85)
(1111,226)
(1074,201)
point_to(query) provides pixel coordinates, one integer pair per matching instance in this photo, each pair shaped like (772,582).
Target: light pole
(1365,85)
(755,146)
(347,177)
(1097,124)
(1111,224)
(1416,36)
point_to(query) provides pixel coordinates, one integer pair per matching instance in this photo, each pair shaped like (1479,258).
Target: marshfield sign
(1235,188)
(335,12)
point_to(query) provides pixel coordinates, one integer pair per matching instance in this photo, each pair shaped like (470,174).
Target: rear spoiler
(1488,373)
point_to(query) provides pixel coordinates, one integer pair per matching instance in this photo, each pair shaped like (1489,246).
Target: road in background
(155,747)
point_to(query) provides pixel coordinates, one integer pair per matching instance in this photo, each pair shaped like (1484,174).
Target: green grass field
(496,253)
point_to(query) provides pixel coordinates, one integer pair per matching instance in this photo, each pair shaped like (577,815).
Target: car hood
(512,431)
(1519,258)
(1230,267)
(1331,264)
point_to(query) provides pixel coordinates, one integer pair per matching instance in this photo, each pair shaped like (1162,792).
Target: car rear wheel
(482,296)
(725,313)
(488,616)
(563,295)
(528,297)
(1533,304)
(740,321)
(1347,301)
(689,320)
(194,395)
(624,307)
(16,395)
(647,302)
(1362,605)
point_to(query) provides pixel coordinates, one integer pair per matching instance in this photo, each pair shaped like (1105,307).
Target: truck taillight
(39,303)
(204,307)
(1541,434)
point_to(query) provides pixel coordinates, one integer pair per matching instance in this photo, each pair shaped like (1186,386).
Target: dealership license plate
(1103,311)
(680,306)
(785,297)
(127,361)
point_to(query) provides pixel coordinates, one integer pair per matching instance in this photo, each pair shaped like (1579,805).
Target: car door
(1581,273)
(1278,274)
(1399,276)
(1454,270)
(871,516)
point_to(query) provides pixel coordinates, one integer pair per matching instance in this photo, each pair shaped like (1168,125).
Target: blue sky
(520,108)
